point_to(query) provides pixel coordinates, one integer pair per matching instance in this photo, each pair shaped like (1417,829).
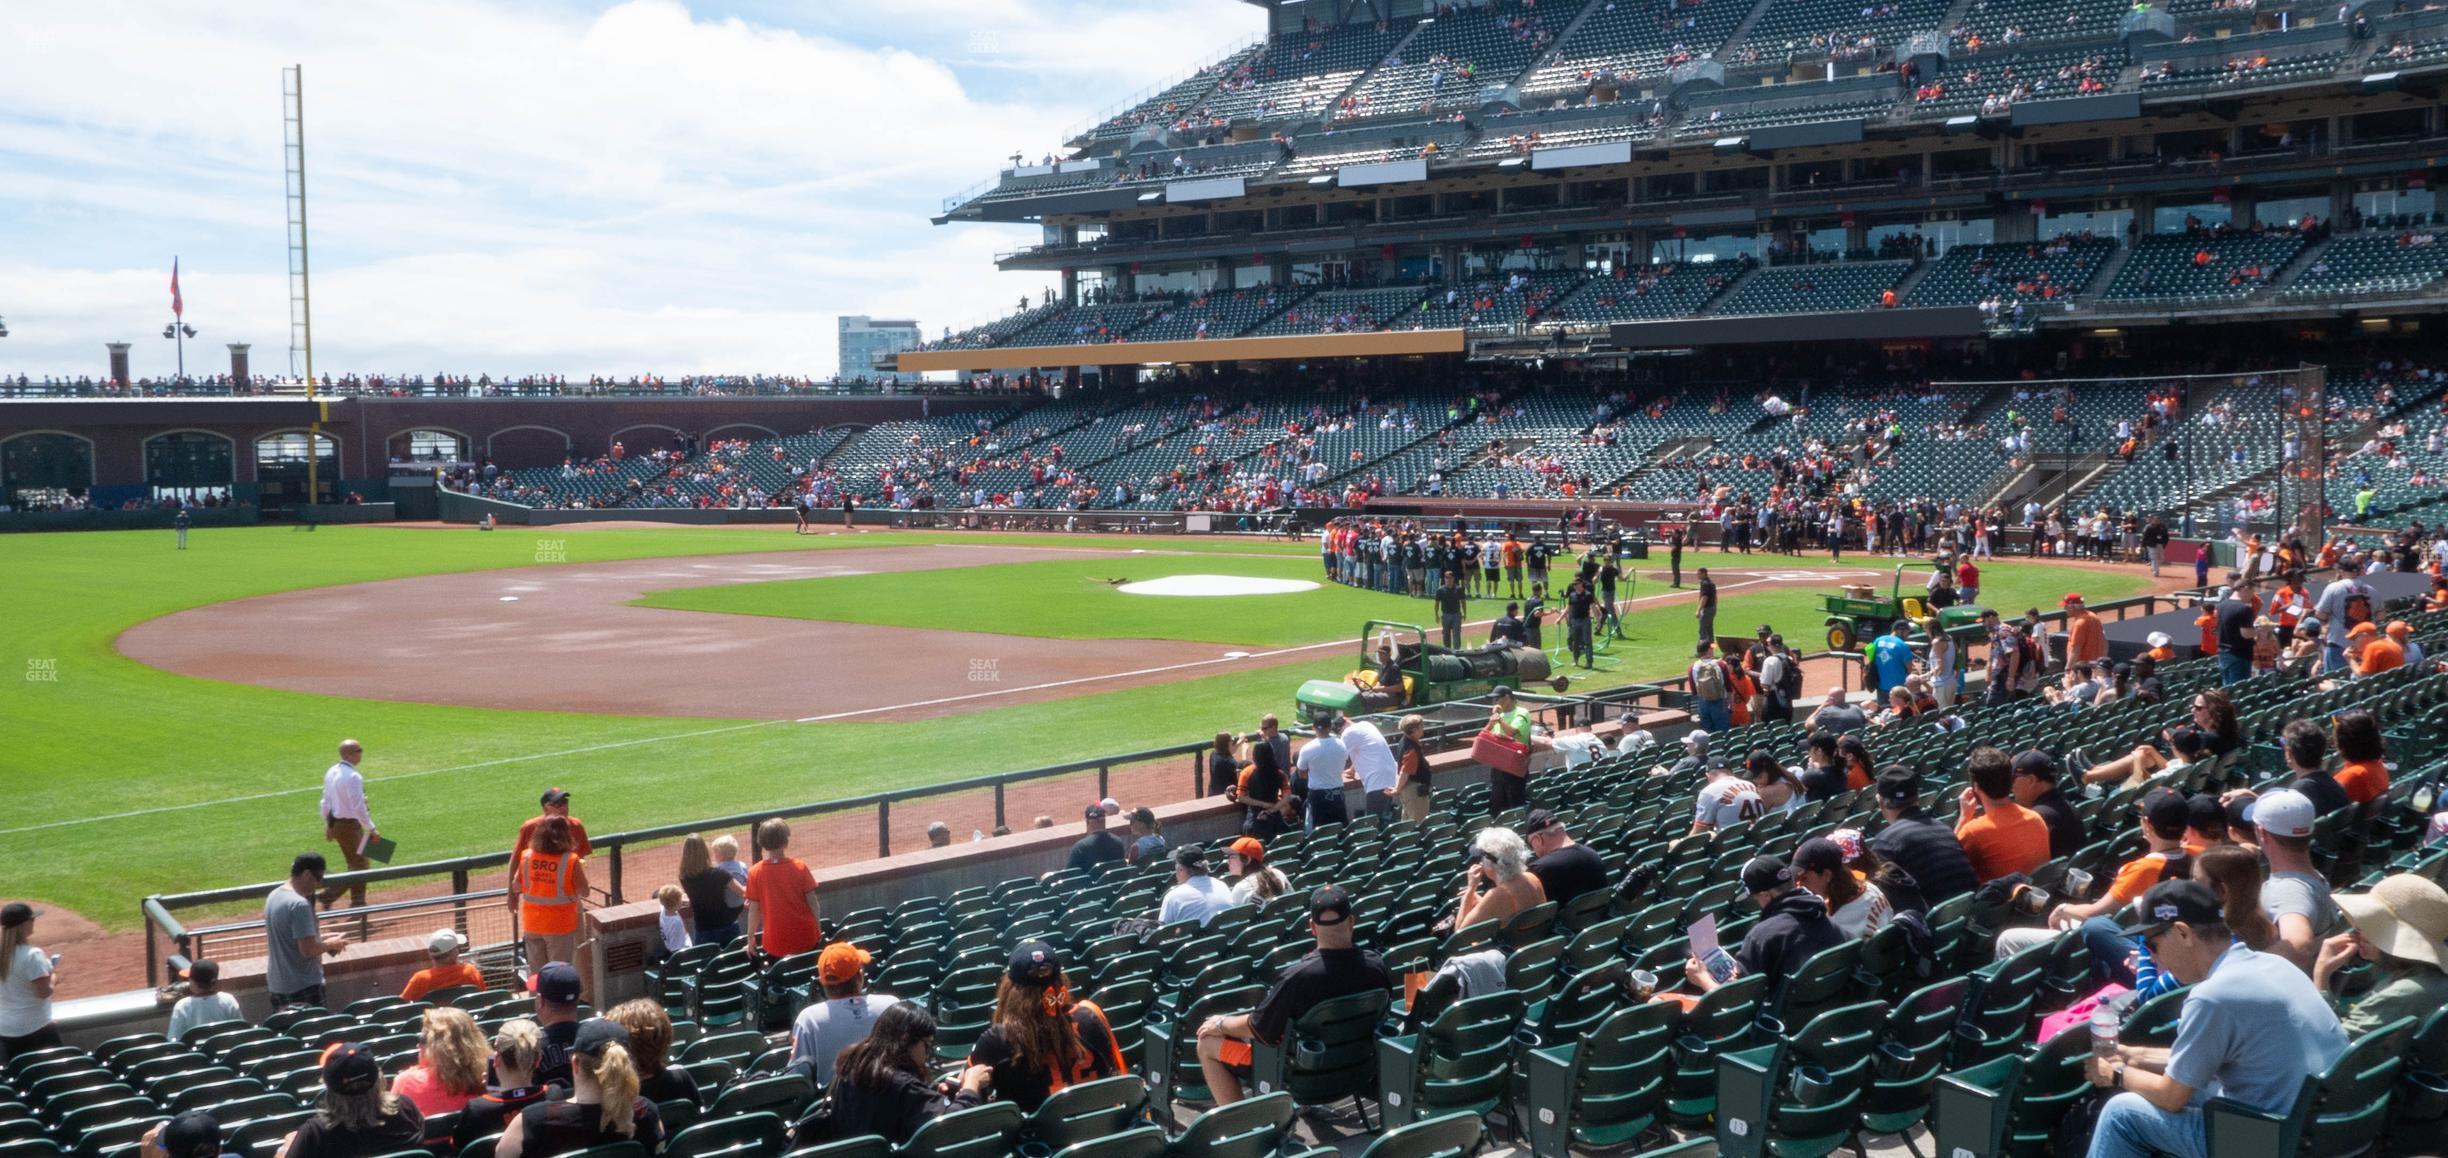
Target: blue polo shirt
(2253,1031)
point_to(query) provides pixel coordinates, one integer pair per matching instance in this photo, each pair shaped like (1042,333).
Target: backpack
(1708,681)
(1789,678)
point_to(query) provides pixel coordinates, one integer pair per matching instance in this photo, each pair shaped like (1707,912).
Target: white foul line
(278,793)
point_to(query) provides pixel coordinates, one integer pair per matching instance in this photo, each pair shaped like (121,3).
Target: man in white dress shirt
(345,820)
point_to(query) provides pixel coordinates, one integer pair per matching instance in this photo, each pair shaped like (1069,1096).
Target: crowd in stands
(2289,904)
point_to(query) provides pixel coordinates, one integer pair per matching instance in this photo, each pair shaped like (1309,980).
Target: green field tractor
(1858,613)
(1432,675)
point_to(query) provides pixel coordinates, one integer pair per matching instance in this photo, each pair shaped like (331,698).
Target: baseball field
(167,714)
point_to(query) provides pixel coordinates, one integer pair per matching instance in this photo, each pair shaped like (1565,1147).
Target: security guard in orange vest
(551,882)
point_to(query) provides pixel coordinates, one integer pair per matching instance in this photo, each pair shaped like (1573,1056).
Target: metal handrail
(158,910)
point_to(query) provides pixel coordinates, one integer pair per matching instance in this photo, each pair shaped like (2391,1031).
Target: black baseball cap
(1540,820)
(349,1068)
(2166,811)
(1763,874)
(1035,963)
(194,1134)
(2206,814)
(2172,902)
(1898,785)
(1190,856)
(597,1032)
(1330,905)
(1818,855)
(2035,763)
(1095,814)
(16,913)
(557,982)
(555,796)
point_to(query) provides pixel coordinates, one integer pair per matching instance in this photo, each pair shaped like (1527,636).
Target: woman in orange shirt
(2364,775)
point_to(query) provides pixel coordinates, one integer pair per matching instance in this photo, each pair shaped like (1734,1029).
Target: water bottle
(2105,1021)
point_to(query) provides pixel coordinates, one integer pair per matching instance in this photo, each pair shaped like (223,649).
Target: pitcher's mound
(1216,585)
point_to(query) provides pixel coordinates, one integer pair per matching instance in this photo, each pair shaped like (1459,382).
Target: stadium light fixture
(1322,179)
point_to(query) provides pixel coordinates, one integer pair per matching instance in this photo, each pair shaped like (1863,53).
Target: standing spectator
(2253,1028)
(672,934)
(1999,836)
(346,822)
(1506,717)
(1891,659)
(1147,841)
(1710,689)
(447,969)
(650,1042)
(555,802)
(2006,660)
(450,1066)
(294,948)
(726,857)
(1196,895)
(1041,1039)
(551,884)
(1222,770)
(1925,849)
(847,1014)
(885,1085)
(1565,870)
(354,1117)
(2232,625)
(1416,780)
(1336,968)
(2086,636)
(714,896)
(512,1083)
(1317,776)
(782,908)
(25,985)
(1254,881)
(938,834)
(1706,611)
(603,1105)
(1098,847)
(1372,760)
(204,1004)
(1451,603)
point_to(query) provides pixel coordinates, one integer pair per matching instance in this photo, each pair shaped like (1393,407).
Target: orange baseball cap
(840,963)
(1247,848)
(2399,629)
(2072,598)
(2366,627)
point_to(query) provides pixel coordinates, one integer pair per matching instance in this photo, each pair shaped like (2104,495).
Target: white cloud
(513,187)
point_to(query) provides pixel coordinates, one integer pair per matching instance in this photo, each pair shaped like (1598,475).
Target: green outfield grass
(124,780)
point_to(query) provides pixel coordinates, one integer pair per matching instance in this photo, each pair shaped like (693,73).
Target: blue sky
(540,186)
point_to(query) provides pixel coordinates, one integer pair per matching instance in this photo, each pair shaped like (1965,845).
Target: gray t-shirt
(1842,719)
(287,918)
(2303,894)
(2252,1031)
(829,1027)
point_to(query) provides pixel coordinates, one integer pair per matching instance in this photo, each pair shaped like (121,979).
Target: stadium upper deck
(1602,147)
